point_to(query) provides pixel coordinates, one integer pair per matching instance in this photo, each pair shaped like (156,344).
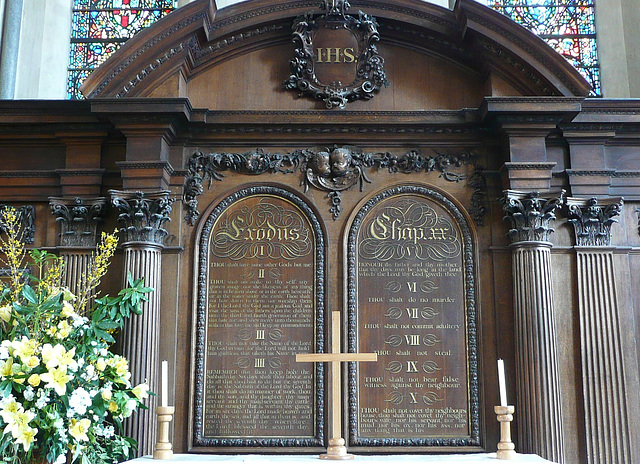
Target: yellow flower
(5,313)
(66,359)
(25,437)
(52,330)
(24,348)
(106,394)
(121,365)
(18,422)
(6,368)
(51,355)
(101,365)
(67,309)
(141,391)
(32,362)
(56,379)
(34,380)
(64,329)
(9,411)
(113,407)
(78,429)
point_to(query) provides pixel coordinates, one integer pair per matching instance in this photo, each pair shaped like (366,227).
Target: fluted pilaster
(539,407)
(142,217)
(603,380)
(140,341)
(78,219)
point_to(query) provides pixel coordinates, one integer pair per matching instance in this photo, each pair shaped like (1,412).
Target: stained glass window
(567,25)
(100,27)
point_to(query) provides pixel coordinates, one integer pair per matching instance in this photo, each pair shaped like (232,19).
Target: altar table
(488,458)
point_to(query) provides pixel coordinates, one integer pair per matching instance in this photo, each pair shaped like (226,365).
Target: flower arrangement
(63,393)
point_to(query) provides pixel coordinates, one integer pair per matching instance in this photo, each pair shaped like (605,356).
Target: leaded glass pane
(567,25)
(100,27)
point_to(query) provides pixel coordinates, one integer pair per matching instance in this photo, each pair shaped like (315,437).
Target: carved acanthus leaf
(592,221)
(78,218)
(143,215)
(530,215)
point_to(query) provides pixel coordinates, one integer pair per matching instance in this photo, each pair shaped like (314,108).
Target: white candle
(502,383)
(164,384)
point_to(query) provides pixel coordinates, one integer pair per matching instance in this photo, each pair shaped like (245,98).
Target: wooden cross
(336,449)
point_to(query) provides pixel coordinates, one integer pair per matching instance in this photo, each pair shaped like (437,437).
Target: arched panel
(411,298)
(260,301)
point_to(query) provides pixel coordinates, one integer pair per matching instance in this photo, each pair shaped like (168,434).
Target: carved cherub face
(340,162)
(320,164)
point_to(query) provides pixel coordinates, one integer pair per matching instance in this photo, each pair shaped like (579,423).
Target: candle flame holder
(164,449)
(506,448)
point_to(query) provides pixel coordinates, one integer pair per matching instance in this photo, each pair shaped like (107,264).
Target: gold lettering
(411,366)
(260,334)
(319,55)
(413,340)
(412,313)
(413,287)
(336,52)
(259,362)
(348,55)
(413,398)
(260,273)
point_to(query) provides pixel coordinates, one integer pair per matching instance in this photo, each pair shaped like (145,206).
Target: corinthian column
(603,381)
(539,409)
(78,219)
(142,216)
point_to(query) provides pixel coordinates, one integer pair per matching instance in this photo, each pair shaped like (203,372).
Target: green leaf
(29,294)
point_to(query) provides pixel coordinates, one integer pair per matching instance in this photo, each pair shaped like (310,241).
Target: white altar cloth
(488,458)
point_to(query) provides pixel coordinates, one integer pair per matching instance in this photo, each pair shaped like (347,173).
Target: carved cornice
(78,218)
(331,170)
(26,219)
(143,215)
(530,215)
(592,221)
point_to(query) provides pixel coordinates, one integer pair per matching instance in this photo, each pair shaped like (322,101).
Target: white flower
(79,401)
(4,352)
(129,407)
(43,399)
(29,393)
(109,431)
(60,459)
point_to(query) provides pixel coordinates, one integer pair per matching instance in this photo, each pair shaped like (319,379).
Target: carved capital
(143,215)
(78,218)
(530,215)
(27,218)
(592,219)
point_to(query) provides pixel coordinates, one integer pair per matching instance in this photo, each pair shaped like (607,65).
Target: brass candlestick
(506,448)
(163,448)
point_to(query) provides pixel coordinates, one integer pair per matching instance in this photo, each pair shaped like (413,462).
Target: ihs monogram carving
(332,170)
(592,221)
(143,215)
(530,215)
(78,219)
(336,59)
